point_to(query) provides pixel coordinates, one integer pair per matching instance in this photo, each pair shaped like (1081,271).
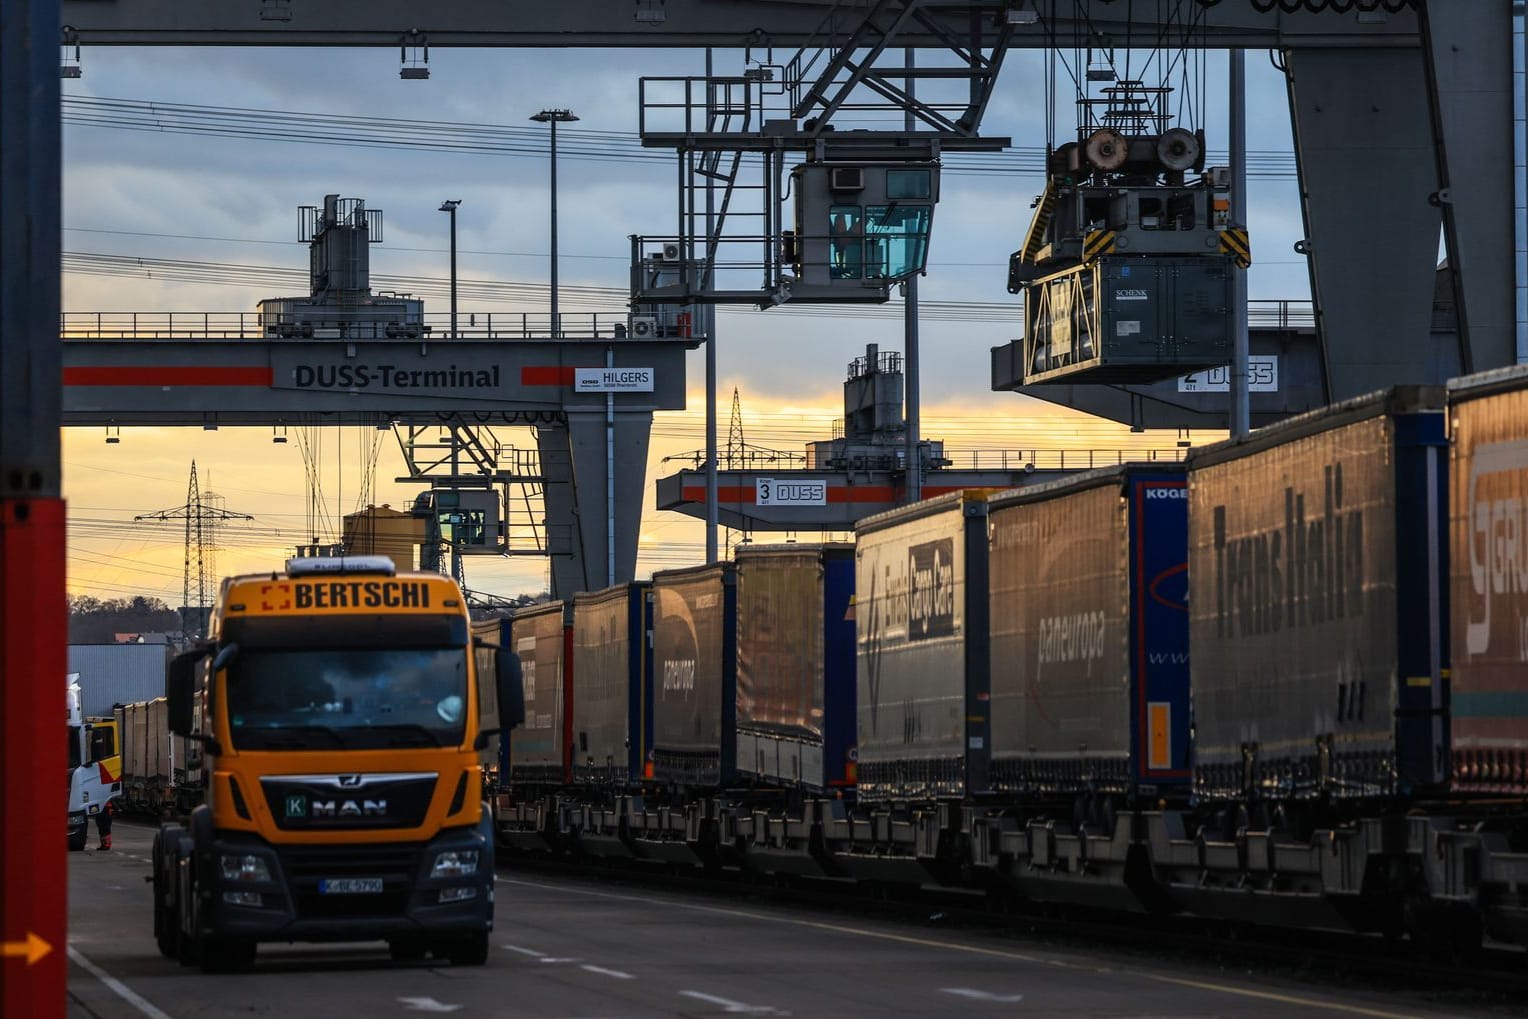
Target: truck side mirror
(180,691)
(507,683)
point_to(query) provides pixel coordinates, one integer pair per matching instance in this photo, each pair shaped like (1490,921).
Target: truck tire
(166,921)
(469,951)
(77,841)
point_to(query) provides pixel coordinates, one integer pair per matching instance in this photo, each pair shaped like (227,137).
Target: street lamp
(449,205)
(554,117)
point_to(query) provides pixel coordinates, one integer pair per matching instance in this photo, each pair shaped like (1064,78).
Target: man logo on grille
(297,806)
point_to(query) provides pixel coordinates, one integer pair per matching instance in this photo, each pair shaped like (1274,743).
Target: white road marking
(1297,1000)
(602,971)
(976,995)
(548,958)
(427,1005)
(731,1006)
(118,988)
(525,951)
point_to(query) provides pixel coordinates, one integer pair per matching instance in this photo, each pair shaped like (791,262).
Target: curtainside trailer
(795,665)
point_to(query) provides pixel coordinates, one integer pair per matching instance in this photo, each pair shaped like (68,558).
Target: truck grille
(305,867)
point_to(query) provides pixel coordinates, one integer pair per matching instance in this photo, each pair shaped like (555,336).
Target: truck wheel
(77,841)
(226,955)
(470,951)
(166,931)
(166,922)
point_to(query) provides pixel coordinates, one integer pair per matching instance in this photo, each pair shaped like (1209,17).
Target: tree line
(99,620)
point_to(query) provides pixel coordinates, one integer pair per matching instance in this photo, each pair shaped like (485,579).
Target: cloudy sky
(231,197)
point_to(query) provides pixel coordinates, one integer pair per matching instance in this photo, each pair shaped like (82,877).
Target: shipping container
(795,663)
(159,769)
(1088,596)
(613,684)
(1316,615)
(695,675)
(112,674)
(1489,590)
(921,618)
(540,750)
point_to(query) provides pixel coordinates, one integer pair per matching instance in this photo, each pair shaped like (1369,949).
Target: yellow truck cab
(341,710)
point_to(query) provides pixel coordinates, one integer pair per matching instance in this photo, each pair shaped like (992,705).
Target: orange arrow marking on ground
(32,949)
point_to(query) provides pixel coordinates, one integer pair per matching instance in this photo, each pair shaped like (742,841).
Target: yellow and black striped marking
(1234,242)
(1099,242)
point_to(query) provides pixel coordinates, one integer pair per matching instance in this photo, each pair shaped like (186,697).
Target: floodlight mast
(554,117)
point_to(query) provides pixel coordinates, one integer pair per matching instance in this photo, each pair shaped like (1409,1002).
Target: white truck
(95,766)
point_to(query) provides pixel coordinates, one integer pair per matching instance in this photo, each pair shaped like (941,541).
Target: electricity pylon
(202,513)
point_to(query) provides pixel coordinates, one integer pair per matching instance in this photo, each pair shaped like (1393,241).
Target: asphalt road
(573,948)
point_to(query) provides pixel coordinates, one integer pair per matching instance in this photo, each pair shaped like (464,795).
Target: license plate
(350,886)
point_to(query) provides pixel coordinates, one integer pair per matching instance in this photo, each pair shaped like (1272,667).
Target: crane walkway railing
(960,459)
(251,325)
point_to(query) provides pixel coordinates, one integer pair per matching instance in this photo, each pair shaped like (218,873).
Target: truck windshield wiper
(407,734)
(291,735)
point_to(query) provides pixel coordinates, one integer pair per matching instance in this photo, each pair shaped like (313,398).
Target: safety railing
(249,325)
(964,460)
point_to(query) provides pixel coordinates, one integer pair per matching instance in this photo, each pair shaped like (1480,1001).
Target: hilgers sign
(613,380)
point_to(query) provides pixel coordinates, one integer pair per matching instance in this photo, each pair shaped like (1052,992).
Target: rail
(962,460)
(250,325)
(495,325)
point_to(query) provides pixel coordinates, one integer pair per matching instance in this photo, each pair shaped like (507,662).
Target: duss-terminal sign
(613,380)
(774,492)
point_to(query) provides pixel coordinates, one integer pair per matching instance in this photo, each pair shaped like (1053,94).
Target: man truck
(341,710)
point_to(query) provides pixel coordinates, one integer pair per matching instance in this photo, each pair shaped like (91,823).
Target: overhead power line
(273,279)
(348,130)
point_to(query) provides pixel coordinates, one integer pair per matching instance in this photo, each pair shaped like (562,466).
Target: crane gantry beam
(711,23)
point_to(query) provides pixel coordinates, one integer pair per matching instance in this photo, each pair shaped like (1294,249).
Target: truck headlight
(455,863)
(244,867)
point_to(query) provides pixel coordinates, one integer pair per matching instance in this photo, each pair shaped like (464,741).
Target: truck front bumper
(357,892)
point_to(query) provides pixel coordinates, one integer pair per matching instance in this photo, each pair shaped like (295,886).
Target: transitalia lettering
(391,377)
(362,594)
(1307,573)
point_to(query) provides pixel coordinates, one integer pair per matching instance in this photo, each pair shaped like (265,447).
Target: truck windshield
(74,747)
(350,699)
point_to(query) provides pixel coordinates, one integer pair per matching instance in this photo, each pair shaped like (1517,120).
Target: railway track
(1487,977)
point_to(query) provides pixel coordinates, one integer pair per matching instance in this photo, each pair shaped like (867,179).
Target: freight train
(1282,683)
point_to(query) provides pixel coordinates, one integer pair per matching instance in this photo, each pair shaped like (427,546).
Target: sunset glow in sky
(230,196)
